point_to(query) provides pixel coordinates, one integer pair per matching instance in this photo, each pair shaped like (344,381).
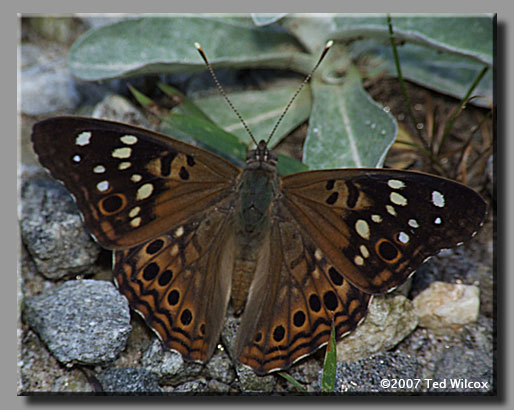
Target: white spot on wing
(83,138)
(124,165)
(174,250)
(364,251)
(395,184)
(128,139)
(99,169)
(76,158)
(179,232)
(403,237)
(358,260)
(102,186)
(398,199)
(123,152)
(134,211)
(136,178)
(135,222)
(362,228)
(376,218)
(318,255)
(437,221)
(144,191)
(438,199)
(413,223)
(391,210)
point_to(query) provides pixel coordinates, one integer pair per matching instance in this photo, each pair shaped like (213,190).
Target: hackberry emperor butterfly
(190,232)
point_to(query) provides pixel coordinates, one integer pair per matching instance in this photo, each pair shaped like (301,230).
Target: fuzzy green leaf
(156,45)
(447,73)
(347,129)
(260,110)
(470,35)
(264,19)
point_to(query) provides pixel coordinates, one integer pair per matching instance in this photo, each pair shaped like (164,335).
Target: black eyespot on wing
(165,278)
(314,303)
(299,318)
(183,173)
(151,271)
(279,333)
(331,200)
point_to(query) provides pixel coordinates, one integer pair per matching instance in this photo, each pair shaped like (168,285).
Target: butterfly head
(261,157)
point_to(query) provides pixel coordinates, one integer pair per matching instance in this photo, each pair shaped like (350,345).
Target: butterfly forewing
(130,184)
(377,225)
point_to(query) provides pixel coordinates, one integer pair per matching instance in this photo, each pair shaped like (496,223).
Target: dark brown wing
(292,300)
(180,282)
(130,184)
(376,226)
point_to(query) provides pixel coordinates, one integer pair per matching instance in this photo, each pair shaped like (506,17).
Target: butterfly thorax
(257,189)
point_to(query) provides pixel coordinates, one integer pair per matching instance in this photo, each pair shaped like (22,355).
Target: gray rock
(82,321)
(128,380)
(229,331)
(461,369)
(389,321)
(46,88)
(38,370)
(168,365)
(215,386)
(31,55)
(306,372)
(118,108)
(220,367)
(367,375)
(53,231)
(479,335)
(461,264)
(70,383)
(194,386)
(466,354)
(250,382)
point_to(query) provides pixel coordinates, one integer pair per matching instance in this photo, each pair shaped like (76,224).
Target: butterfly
(190,232)
(295,255)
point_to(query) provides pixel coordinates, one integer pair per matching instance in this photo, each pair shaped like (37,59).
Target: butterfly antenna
(222,91)
(307,79)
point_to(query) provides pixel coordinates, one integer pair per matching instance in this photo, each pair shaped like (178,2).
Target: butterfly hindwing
(180,282)
(130,183)
(292,303)
(378,225)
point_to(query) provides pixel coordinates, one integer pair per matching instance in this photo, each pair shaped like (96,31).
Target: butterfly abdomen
(257,188)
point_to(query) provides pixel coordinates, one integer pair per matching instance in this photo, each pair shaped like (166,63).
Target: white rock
(388,322)
(447,306)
